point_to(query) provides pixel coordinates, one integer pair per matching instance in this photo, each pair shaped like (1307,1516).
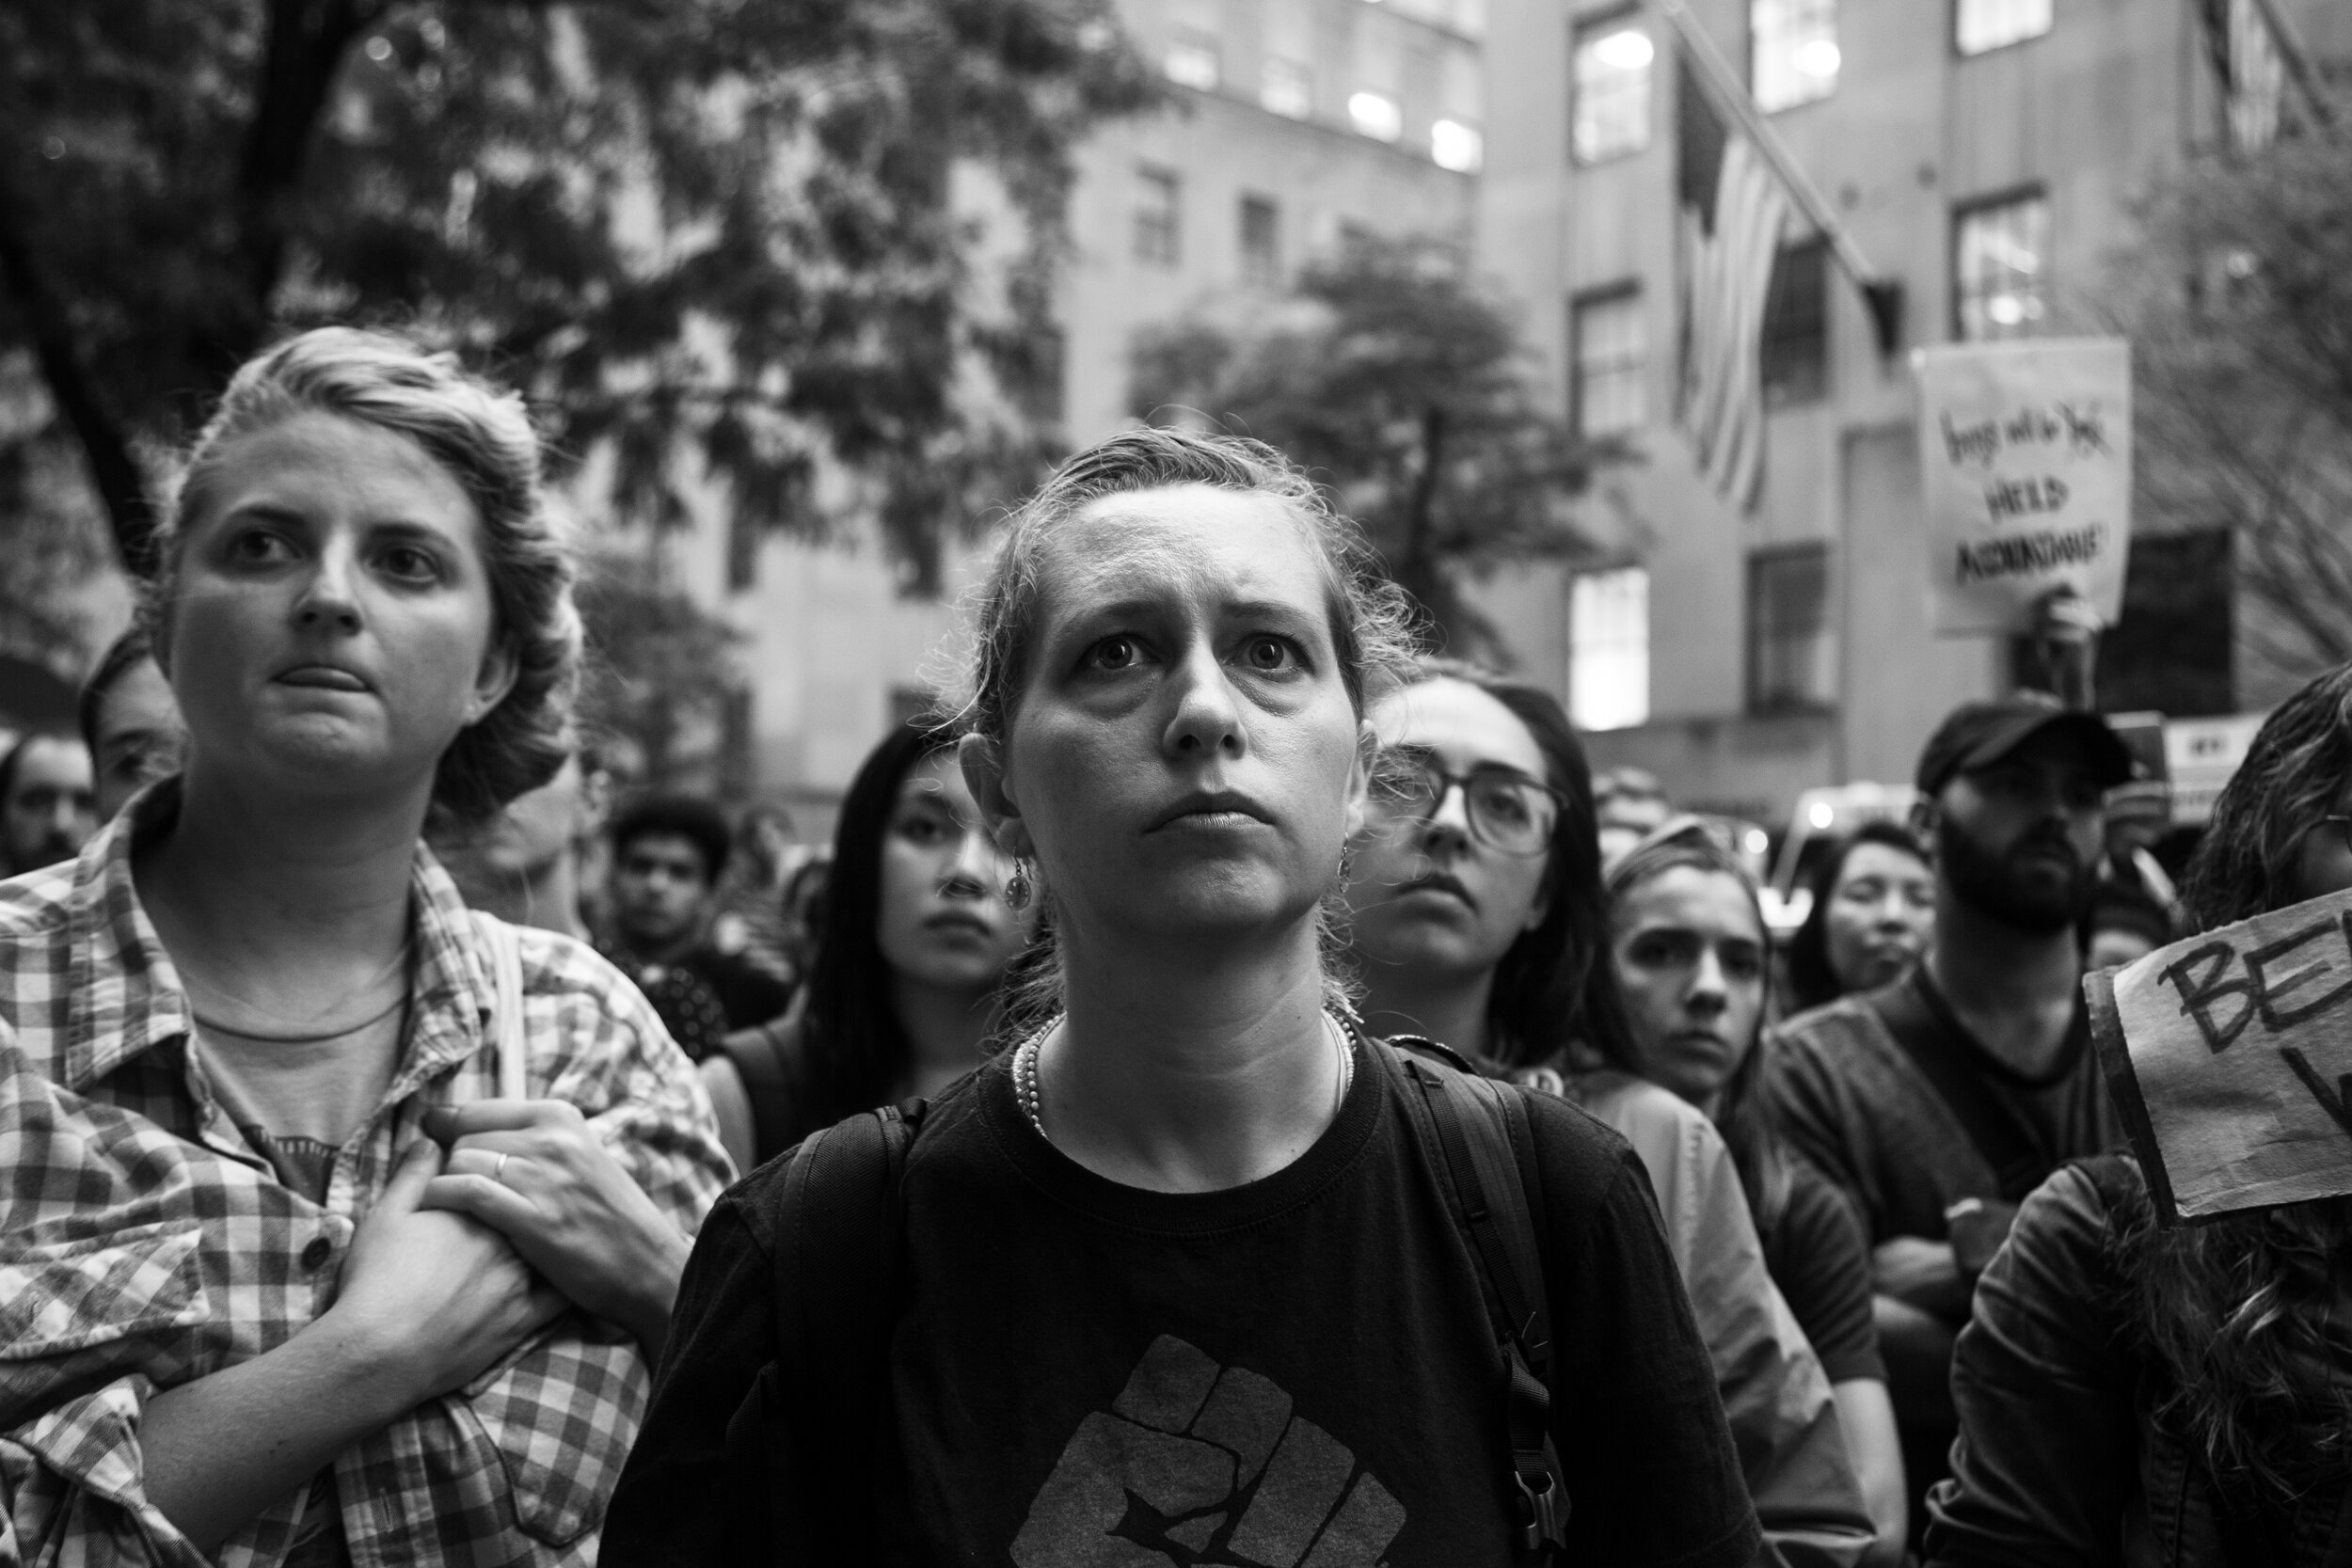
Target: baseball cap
(1976,735)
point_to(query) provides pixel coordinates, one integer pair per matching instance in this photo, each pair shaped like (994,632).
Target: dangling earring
(1019,890)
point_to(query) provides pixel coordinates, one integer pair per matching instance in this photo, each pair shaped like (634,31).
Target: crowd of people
(1237,1090)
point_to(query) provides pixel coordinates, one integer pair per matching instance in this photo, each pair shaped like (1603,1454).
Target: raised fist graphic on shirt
(1202,1464)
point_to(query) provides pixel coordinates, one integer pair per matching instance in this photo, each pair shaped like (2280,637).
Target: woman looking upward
(1179,1282)
(356,1306)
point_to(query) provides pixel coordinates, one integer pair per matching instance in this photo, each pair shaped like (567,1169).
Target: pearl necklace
(1024,1058)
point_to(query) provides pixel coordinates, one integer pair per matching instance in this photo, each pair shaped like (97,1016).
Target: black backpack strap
(768,1060)
(1480,1131)
(840,1276)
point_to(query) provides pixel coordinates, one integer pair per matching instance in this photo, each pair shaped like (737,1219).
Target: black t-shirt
(706,996)
(1814,1253)
(1298,1370)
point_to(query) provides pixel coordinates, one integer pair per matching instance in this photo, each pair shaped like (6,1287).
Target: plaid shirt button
(318,1252)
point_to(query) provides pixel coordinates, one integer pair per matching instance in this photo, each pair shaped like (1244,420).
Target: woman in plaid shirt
(282,1278)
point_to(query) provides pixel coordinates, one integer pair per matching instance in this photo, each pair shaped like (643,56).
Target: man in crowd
(524,864)
(668,855)
(47,809)
(130,723)
(1940,1102)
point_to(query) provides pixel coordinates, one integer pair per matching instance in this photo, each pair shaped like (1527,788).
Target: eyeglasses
(1508,811)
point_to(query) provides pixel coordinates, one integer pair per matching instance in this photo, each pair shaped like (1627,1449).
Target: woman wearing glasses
(1478,919)
(1178,1279)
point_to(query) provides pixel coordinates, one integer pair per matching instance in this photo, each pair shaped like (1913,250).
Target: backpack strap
(768,1060)
(840,1263)
(1481,1133)
(509,1042)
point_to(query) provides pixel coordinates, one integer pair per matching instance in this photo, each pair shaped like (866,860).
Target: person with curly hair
(342,1224)
(2175,1398)
(1176,1278)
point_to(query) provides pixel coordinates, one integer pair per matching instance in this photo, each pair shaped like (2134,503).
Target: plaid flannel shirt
(144,1244)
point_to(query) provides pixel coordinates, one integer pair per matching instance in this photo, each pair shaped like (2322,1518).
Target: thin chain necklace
(1024,1058)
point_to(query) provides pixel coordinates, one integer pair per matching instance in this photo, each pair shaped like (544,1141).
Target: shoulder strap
(840,1267)
(508,1038)
(1484,1141)
(758,1055)
(1925,1030)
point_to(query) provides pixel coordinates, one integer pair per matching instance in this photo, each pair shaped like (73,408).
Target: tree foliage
(1401,385)
(2239,305)
(719,228)
(656,666)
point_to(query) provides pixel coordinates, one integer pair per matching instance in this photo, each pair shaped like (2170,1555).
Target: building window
(1159,227)
(1193,60)
(1610,114)
(2001,274)
(743,539)
(1791,659)
(1609,648)
(1608,354)
(1455,146)
(1795,349)
(1035,379)
(1287,89)
(1261,241)
(1376,115)
(1984,24)
(1794,57)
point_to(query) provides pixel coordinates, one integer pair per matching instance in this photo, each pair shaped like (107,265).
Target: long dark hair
(857,1051)
(1743,1112)
(1554,986)
(2238,1310)
(1811,981)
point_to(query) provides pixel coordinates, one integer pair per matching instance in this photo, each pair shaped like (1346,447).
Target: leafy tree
(715,227)
(1401,385)
(2239,305)
(658,665)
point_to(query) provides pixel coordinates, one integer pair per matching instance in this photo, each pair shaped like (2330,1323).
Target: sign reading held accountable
(2025,456)
(2229,1055)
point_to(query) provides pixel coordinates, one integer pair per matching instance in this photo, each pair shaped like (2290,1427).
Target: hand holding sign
(2230,1056)
(2025,456)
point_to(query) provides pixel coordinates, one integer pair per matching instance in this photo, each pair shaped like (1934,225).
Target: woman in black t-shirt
(1691,958)
(1178,1280)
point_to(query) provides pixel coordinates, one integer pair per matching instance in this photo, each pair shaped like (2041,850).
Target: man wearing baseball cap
(1941,1100)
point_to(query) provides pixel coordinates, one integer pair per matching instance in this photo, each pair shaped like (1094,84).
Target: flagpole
(2289,41)
(1882,293)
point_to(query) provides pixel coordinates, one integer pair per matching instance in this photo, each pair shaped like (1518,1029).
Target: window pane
(1193,61)
(1795,55)
(1791,655)
(2002,272)
(1156,217)
(1261,241)
(1609,354)
(1288,89)
(1990,24)
(1795,347)
(1609,648)
(1455,146)
(1611,86)
(1377,115)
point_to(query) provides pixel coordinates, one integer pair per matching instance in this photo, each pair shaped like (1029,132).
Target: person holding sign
(1939,1102)
(2129,1392)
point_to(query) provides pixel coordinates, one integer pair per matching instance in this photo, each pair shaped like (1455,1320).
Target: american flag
(1732,210)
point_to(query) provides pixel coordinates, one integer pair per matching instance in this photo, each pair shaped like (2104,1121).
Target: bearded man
(1940,1102)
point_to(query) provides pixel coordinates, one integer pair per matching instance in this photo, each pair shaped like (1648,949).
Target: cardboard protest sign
(2025,457)
(2230,1056)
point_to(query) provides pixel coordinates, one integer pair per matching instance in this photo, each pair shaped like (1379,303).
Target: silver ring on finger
(497,1172)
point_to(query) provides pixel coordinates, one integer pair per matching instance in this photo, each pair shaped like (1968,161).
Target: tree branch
(113,473)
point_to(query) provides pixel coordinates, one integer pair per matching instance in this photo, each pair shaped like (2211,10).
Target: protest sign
(2230,1056)
(2025,457)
